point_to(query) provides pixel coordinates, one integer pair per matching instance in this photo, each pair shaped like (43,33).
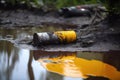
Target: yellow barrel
(66,36)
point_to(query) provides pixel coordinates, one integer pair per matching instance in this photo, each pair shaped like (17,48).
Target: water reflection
(8,60)
(110,57)
(18,64)
(30,70)
(23,64)
(69,64)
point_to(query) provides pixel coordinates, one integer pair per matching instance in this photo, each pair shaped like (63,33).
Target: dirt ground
(100,37)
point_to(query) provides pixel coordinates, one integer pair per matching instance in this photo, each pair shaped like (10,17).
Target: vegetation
(112,5)
(55,3)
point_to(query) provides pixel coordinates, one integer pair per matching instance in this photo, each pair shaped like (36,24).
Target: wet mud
(99,37)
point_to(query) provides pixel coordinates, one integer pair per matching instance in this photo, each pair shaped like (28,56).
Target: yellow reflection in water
(73,66)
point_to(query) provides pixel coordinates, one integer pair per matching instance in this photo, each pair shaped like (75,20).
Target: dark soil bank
(100,37)
(20,18)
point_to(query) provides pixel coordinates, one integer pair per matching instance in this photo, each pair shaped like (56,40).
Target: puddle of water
(74,64)
(17,62)
(24,64)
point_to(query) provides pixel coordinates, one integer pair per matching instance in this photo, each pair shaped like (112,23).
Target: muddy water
(18,63)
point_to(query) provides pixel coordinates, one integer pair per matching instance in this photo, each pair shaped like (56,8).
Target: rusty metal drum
(58,37)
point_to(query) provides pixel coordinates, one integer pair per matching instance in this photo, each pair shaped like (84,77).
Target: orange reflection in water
(73,66)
